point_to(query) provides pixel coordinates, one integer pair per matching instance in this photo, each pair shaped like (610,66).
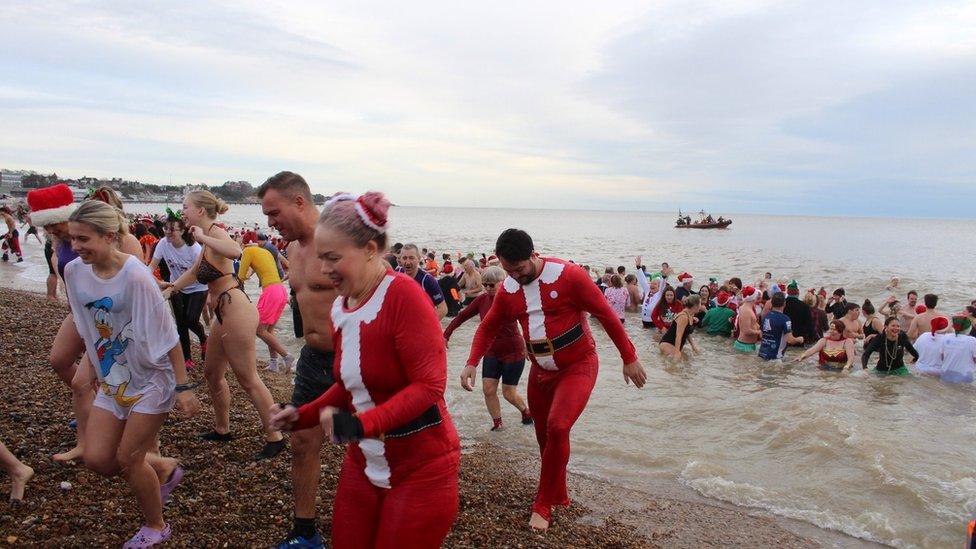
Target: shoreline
(227,498)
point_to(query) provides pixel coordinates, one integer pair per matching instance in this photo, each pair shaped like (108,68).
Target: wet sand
(226,498)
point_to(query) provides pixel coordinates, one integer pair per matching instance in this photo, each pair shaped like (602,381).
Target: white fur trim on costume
(50,216)
(366,220)
(511,285)
(551,272)
(341,197)
(350,368)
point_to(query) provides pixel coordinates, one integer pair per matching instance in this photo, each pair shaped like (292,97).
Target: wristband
(180,387)
(346,427)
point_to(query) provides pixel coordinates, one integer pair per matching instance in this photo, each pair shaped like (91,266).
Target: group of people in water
(768,317)
(372,371)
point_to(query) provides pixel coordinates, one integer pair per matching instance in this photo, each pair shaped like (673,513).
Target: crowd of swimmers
(373,367)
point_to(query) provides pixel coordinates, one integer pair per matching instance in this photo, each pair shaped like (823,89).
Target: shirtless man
(12,238)
(922,323)
(287,201)
(747,323)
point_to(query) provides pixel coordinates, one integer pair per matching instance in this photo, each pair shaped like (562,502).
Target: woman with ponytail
(130,337)
(399,480)
(680,330)
(236,321)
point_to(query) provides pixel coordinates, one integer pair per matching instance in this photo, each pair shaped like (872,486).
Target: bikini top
(207,273)
(833,355)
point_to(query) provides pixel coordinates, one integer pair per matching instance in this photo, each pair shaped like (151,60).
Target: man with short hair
(923,321)
(550,298)
(776,331)
(685,280)
(410,264)
(907,313)
(287,201)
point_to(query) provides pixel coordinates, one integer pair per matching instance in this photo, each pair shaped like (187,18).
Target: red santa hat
(51,205)
(919,309)
(750,294)
(685,278)
(723,299)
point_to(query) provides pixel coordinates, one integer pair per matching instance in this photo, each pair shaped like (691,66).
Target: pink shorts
(272,302)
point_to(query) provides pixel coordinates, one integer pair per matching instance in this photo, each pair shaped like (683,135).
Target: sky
(787,107)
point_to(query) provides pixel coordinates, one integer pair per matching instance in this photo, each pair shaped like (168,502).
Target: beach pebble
(65,485)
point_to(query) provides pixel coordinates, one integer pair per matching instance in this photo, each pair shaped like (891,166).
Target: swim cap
(939,323)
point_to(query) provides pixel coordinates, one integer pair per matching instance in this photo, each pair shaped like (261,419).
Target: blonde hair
(107,195)
(206,200)
(102,217)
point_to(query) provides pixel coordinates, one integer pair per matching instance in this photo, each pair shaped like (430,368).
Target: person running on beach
(271,304)
(924,319)
(287,202)
(410,265)
(232,331)
(129,332)
(747,323)
(681,329)
(505,360)
(50,208)
(777,331)
(929,347)
(718,319)
(19,474)
(549,297)
(834,351)
(398,486)
(959,352)
(11,239)
(178,251)
(891,350)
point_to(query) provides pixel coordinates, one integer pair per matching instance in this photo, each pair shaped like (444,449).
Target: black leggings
(187,309)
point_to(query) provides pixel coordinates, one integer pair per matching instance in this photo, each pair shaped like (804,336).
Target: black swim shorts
(313,375)
(509,373)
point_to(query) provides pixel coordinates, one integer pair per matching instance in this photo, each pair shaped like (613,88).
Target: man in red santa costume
(550,298)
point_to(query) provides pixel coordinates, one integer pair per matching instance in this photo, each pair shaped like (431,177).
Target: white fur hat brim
(52,216)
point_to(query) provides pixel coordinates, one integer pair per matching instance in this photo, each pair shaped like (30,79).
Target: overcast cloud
(780,107)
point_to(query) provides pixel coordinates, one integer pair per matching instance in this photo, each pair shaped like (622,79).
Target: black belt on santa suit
(548,346)
(430,417)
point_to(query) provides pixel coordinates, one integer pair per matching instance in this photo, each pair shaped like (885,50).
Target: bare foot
(538,523)
(74,453)
(18,482)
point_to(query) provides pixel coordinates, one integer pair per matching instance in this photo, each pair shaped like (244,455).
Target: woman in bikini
(236,321)
(835,352)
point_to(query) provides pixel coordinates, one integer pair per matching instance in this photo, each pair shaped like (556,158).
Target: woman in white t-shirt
(131,339)
(180,252)
(959,352)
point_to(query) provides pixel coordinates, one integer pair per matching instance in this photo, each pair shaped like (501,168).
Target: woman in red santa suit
(550,298)
(399,481)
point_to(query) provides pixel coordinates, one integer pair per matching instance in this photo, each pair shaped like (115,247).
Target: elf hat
(51,205)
